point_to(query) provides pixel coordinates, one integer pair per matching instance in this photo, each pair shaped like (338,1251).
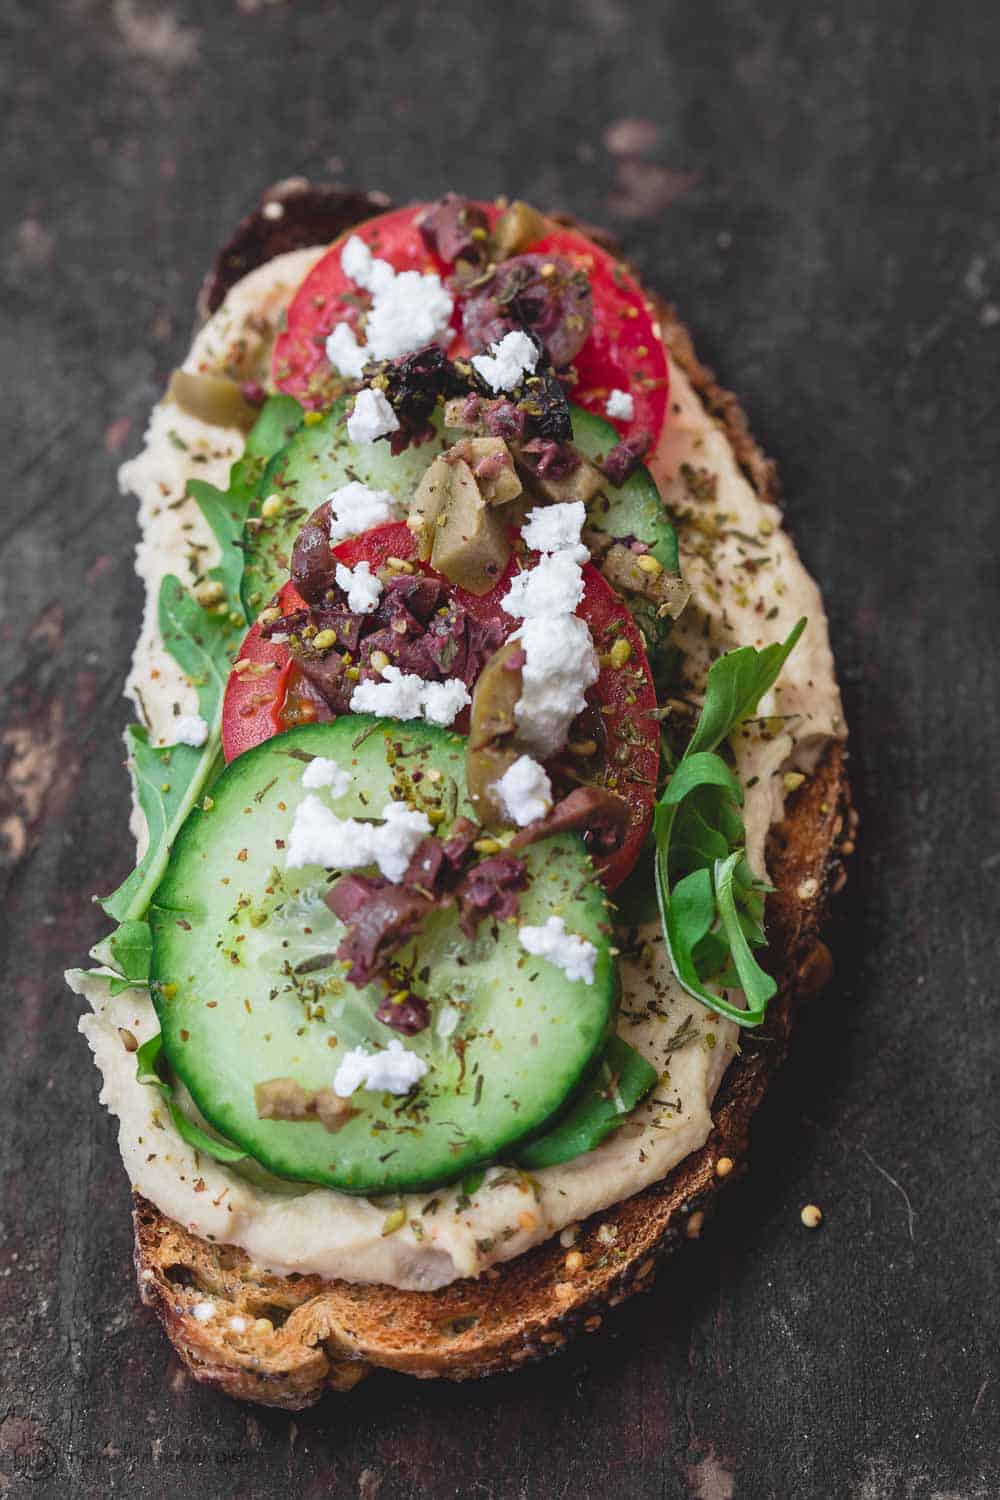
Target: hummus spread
(287,1228)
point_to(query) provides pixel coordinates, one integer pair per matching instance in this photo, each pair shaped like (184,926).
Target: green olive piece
(582,484)
(493,468)
(427,504)
(492,726)
(518,226)
(470,544)
(624,570)
(211,398)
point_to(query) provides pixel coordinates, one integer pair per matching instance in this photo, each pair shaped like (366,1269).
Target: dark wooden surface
(817,188)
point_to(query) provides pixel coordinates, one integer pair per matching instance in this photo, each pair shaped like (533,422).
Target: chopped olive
(470,545)
(518,226)
(629,573)
(492,726)
(212,398)
(492,466)
(427,504)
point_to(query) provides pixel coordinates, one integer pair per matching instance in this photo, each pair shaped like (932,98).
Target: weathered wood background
(817,188)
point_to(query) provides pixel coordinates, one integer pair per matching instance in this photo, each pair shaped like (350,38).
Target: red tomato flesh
(624,350)
(264,697)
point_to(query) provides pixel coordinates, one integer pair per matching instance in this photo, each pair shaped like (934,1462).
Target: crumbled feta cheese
(554,586)
(569,952)
(372,418)
(319,837)
(356,508)
(192,730)
(525,791)
(397,838)
(507,363)
(620,404)
(444,701)
(362,588)
(203,1311)
(347,356)
(358,263)
(322,771)
(560,665)
(557,528)
(404,695)
(393,1071)
(398,696)
(408,310)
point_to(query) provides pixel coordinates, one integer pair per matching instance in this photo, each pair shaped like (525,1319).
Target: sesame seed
(724,1166)
(812,1216)
(564,1291)
(574,1261)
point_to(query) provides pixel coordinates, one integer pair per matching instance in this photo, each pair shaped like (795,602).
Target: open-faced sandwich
(489,786)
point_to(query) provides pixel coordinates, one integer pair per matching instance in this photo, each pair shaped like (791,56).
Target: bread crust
(296,1337)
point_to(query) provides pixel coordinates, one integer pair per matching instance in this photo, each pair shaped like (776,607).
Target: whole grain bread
(283,1341)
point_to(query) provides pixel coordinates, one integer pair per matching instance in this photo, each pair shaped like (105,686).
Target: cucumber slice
(633,509)
(247,988)
(319,458)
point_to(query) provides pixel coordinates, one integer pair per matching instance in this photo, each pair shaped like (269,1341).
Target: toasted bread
(295,1337)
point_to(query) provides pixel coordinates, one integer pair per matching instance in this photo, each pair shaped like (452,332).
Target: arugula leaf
(147,1070)
(622,1078)
(711,906)
(169,780)
(736,684)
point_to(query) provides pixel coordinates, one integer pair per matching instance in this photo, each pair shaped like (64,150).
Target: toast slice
(283,1341)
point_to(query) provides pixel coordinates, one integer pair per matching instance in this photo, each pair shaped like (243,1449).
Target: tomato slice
(268,695)
(624,350)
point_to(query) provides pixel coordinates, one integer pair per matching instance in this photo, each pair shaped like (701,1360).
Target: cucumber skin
(318,458)
(633,509)
(196,1046)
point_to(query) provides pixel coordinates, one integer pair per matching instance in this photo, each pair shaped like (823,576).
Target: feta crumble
(356,508)
(553,587)
(507,362)
(393,1071)
(525,791)
(557,528)
(362,588)
(319,837)
(409,309)
(569,952)
(321,771)
(372,418)
(360,266)
(404,695)
(347,356)
(620,404)
(560,665)
(190,729)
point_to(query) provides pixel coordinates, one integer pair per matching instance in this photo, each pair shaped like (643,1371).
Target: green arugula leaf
(169,780)
(711,906)
(736,684)
(147,1070)
(758,986)
(622,1078)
